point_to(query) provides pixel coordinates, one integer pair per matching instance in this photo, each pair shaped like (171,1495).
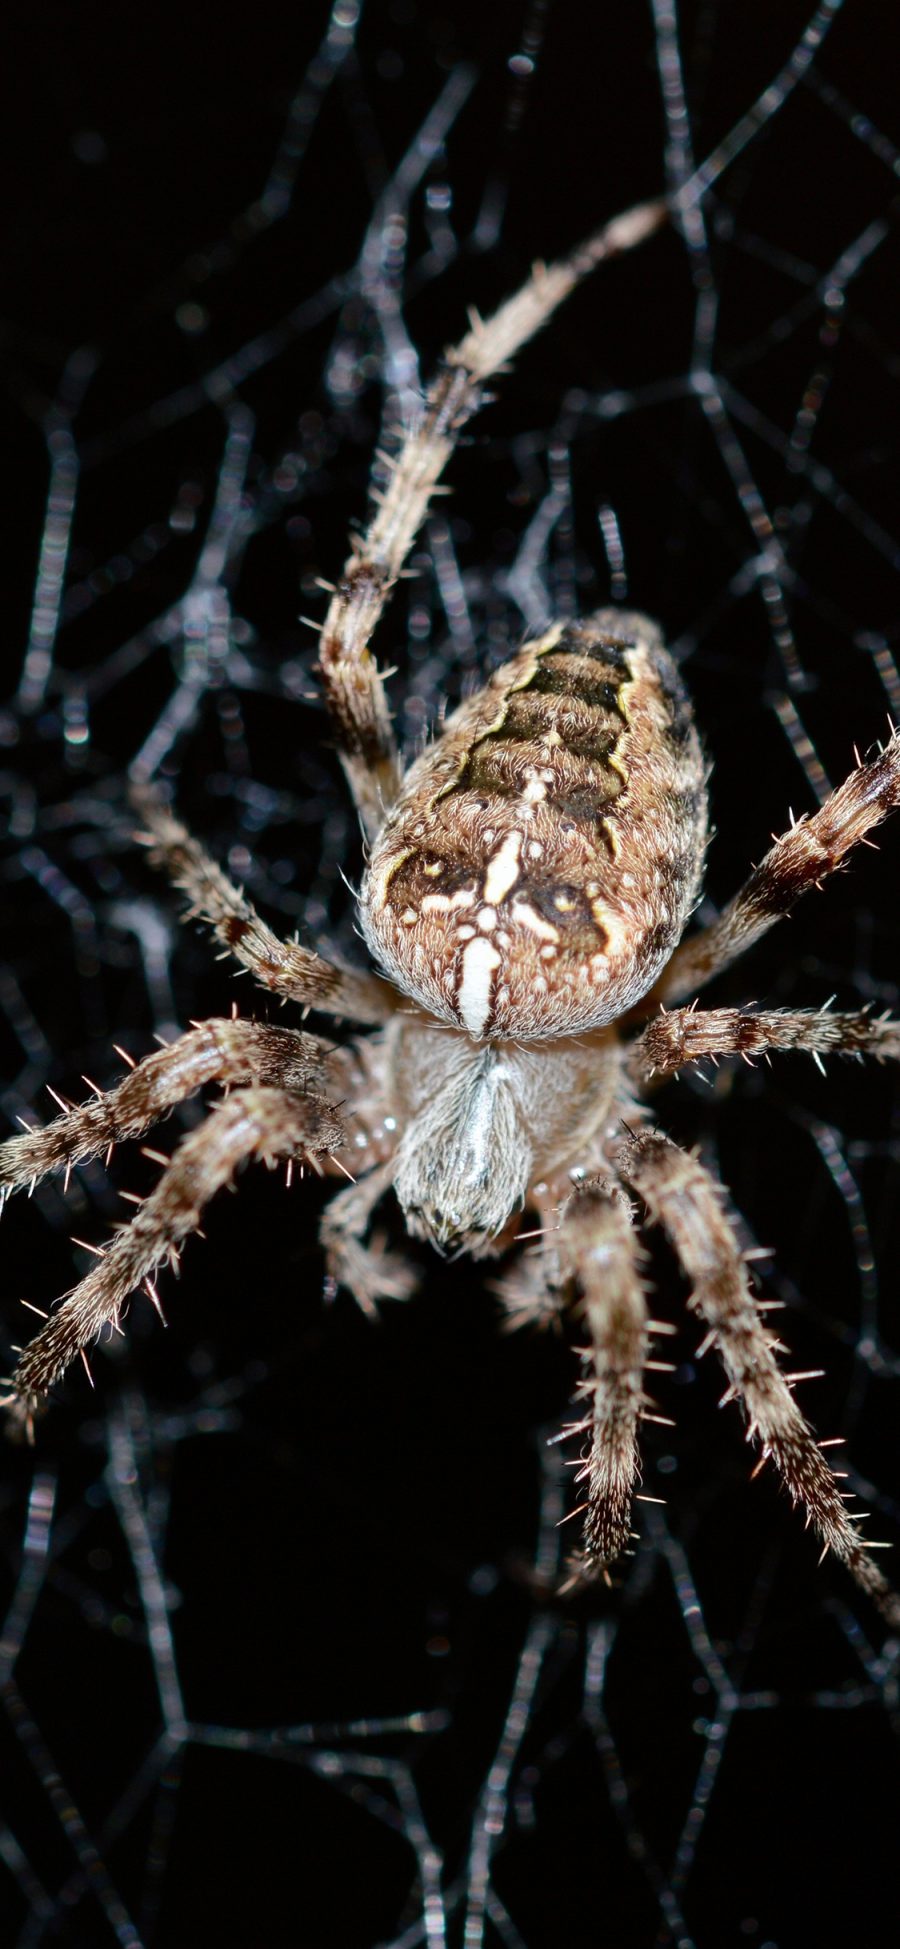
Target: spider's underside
(527,887)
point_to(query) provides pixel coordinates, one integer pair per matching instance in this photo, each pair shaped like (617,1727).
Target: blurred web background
(271,1671)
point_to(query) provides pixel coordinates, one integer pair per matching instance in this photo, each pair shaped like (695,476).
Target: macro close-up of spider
(528,883)
(449,1026)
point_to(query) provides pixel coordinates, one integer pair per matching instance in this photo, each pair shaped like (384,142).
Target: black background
(333,1520)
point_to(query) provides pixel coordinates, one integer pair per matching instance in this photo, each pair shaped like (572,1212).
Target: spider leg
(257,1122)
(687,1201)
(289,970)
(368,1272)
(214,1052)
(817,845)
(598,1249)
(352,683)
(684,1035)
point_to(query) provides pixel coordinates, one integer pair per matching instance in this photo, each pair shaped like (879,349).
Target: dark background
(272,1672)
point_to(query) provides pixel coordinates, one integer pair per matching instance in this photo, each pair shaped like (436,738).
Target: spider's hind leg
(352,683)
(294,972)
(802,858)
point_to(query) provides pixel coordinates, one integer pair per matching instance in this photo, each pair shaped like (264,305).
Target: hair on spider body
(544,855)
(527,889)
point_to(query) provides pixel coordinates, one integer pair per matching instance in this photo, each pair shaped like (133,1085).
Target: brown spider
(527,886)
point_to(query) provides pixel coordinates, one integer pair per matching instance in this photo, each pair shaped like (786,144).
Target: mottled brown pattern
(526,888)
(581,750)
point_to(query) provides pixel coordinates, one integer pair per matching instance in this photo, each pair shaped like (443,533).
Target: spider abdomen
(542,859)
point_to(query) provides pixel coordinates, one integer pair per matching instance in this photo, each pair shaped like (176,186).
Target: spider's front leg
(257,1122)
(800,859)
(686,1200)
(592,1275)
(598,1253)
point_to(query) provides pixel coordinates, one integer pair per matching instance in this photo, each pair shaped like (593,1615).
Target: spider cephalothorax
(527,888)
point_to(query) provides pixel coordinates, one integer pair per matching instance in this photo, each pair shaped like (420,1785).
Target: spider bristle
(153,1296)
(582,1506)
(571,1428)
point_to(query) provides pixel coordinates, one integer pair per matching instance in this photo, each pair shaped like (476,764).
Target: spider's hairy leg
(800,859)
(229,1052)
(598,1250)
(684,1035)
(352,683)
(289,970)
(687,1201)
(258,1122)
(368,1271)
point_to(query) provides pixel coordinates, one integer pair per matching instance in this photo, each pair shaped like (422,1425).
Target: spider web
(272,1668)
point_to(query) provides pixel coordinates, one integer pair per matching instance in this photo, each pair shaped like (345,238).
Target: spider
(527,885)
